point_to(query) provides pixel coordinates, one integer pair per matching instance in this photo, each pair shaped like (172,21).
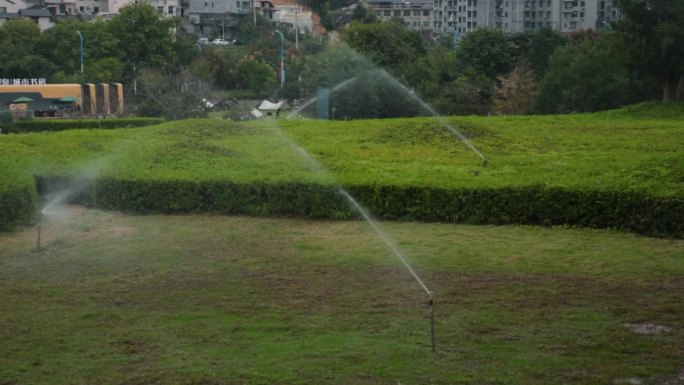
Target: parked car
(220,42)
(202,41)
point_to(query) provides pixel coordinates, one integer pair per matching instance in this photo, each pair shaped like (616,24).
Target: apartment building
(417,14)
(459,17)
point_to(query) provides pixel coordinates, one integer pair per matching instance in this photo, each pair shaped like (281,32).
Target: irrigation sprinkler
(431,302)
(40,219)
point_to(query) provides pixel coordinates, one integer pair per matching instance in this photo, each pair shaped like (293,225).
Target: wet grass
(114,299)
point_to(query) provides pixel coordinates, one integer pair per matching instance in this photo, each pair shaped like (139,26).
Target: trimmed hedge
(658,216)
(17,205)
(637,212)
(70,124)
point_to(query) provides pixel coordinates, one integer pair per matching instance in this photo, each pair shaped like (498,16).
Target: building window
(426,13)
(96,9)
(397,13)
(426,24)
(170,9)
(387,13)
(407,13)
(160,9)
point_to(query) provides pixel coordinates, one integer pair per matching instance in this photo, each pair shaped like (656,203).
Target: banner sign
(23,82)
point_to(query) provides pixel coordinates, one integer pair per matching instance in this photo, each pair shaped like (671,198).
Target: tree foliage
(144,35)
(591,76)
(516,91)
(542,44)
(656,29)
(255,74)
(390,44)
(487,51)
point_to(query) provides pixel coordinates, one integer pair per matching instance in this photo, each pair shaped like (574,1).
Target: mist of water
(410,93)
(309,102)
(373,223)
(77,185)
(450,127)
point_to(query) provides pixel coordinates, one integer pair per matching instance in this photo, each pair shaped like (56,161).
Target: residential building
(293,13)
(417,14)
(204,15)
(460,17)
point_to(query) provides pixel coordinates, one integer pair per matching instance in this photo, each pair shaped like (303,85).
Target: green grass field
(118,299)
(603,151)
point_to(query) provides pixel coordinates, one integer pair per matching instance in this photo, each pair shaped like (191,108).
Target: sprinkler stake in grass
(431,302)
(40,219)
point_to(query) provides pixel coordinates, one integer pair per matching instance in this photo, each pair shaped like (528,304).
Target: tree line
(384,67)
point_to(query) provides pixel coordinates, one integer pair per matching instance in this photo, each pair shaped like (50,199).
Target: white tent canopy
(266,105)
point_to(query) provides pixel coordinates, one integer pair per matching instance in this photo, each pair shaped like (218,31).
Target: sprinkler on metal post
(40,219)
(431,302)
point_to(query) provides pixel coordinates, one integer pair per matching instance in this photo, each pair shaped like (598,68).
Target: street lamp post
(282,65)
(223,31)
(80,35)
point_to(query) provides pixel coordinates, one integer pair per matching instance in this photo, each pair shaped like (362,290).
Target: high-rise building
(460,17)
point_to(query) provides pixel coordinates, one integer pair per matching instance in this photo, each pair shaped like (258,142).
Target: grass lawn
(118,299)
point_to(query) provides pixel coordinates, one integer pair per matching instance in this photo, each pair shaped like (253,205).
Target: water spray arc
(391,244)
(443,122)
(315,98)
(435,114)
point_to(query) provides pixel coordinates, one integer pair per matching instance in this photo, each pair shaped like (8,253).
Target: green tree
(487,51)
(62,47)
(363,14)
(542,45)
(256,75)
(469,94)
(389,44)
(656,30)
(145,36)
(20,39)
(591,76)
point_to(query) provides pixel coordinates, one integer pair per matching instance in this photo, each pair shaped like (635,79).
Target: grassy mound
(595,170)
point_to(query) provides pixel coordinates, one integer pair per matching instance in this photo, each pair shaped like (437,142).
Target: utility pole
(296,28)
(254,10)
(282,64)
(80,35)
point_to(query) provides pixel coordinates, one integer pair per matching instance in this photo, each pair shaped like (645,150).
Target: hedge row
(70,124)
(17,205)
(526,205)
(539,205)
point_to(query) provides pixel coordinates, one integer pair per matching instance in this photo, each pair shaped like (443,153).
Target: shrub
(70,124)
(17,202)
